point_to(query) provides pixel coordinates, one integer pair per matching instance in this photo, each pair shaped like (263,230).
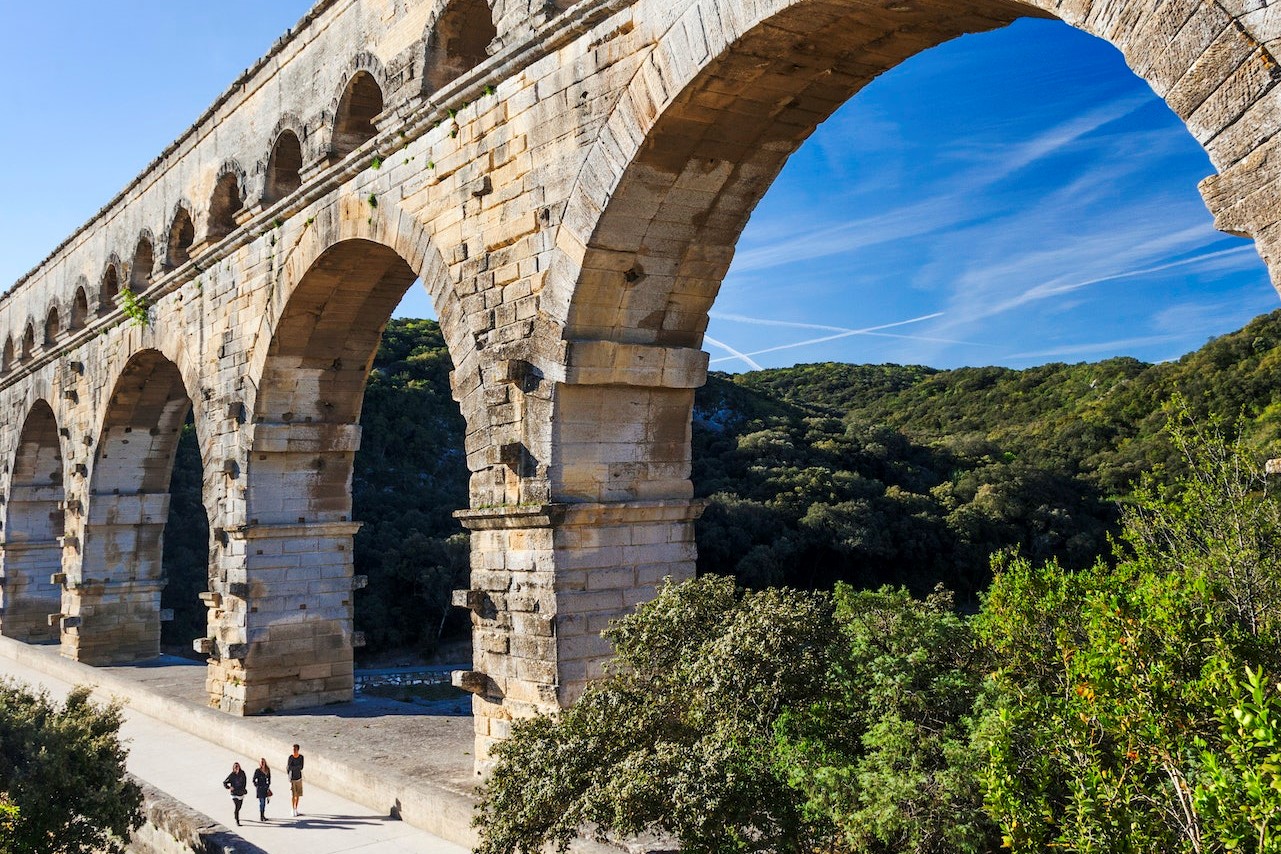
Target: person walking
(237,785)
(294,768)
(262,787)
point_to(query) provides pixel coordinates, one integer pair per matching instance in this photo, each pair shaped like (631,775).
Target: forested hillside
(814,474)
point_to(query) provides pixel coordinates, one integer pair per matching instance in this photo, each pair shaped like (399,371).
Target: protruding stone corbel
(357,640)
(58,579)
(472,600)
(204,646)
(471,681)
(359,582)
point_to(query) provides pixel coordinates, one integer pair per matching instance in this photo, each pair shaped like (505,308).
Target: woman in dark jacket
(262,787)
(238,786)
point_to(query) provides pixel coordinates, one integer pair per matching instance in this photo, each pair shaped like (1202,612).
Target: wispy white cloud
(1049,290)
(951,205)
(1119,345)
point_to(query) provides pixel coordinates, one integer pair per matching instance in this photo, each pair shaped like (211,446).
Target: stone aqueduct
(569,181)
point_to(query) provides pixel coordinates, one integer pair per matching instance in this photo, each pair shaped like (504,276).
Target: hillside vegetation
(867,474)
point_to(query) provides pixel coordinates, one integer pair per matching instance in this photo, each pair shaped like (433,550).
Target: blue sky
(1013,198)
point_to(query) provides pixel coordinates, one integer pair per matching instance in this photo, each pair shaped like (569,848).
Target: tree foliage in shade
(410,476)
(62,773)
(679,736)
(775,720)
(816,474)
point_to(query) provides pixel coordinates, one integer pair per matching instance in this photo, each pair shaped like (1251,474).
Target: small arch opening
(284,168)
(223,207)
(79,309)
(52,326)
(182,235)
(144,262)
(109,291)
(29,342)
(6,362)
(354,126)
(459,42)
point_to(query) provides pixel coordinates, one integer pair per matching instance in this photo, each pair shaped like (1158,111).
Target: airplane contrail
(751,363)
(845,333)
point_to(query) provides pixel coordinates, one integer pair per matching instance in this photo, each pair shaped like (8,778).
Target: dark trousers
(238,802)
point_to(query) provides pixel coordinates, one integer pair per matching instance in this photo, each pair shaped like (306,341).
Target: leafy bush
(62,775)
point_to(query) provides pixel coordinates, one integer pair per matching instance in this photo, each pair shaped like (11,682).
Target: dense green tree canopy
(1115,709)
(866,474)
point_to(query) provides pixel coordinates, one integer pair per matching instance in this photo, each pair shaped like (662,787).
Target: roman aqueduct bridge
(568,181)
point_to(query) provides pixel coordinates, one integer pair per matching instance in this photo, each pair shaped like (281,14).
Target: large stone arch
(282,636)
(33,529)
(112,604)
(727,92)
(725,97)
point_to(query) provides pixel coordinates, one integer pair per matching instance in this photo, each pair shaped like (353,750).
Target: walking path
(191,769)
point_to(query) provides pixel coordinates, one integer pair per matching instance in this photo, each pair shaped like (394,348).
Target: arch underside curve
(33,528)
(295,647)
(115,597)
(642,260)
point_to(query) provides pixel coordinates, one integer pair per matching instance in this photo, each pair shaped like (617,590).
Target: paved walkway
(191,770)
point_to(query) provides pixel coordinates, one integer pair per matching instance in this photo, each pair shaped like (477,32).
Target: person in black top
(294,767)
(238,786)
(262,787)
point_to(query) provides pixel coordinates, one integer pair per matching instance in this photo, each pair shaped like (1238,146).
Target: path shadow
(329,821)
(226,840)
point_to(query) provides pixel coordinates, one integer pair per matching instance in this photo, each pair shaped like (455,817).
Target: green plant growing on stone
(377,163)
(135,306)
(490,90)
(372,200)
